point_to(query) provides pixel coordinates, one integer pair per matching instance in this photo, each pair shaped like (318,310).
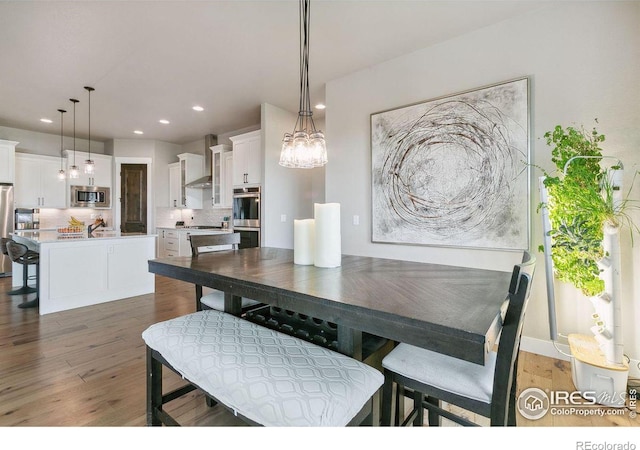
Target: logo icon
(533,403)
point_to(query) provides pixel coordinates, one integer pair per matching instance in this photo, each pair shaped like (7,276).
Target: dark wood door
(133,194)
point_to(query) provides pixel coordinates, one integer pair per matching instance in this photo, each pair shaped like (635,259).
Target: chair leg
(417,404)
(387,400)
(198,297)
(434,418)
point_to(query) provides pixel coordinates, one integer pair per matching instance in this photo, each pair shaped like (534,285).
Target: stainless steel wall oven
(246,215)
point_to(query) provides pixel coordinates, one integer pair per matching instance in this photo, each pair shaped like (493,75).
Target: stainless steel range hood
(207,180)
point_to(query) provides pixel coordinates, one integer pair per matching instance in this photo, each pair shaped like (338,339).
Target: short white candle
(328,247)
(303,241)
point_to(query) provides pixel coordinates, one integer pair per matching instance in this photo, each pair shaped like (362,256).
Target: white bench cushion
(443,372)
(269,377)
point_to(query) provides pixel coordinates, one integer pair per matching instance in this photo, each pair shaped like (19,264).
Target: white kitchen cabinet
(168,242)
(7,161)
(227,190)
(37,184)
(189,168)
(175,195)
(247,158)
(176,241)
(221,165)
(103,171)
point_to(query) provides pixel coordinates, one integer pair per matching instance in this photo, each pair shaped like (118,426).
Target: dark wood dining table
(448,309)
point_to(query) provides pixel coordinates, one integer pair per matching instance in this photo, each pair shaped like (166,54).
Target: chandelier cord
(61,132)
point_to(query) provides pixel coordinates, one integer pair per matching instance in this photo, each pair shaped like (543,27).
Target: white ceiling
(151,60)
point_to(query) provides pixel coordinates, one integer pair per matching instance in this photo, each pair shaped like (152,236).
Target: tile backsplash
(54,218)
(167,217)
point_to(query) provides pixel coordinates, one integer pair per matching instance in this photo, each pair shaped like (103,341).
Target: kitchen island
(81,270)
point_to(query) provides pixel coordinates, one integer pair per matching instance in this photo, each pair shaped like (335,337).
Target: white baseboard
(547,348)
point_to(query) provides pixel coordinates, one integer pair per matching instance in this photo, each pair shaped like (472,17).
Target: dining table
(453,310)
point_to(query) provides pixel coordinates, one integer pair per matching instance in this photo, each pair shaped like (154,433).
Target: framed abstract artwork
(453,171)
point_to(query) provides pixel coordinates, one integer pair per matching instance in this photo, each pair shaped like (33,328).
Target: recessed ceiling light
(163,121)
(198,108)
(138,132)
(46,120)
(320,106)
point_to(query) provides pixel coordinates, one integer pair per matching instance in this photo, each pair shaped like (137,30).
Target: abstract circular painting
(454,171)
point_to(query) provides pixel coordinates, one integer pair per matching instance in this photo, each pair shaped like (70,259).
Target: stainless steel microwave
(90,197)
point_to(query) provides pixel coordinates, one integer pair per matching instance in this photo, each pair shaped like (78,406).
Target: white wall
(286,192)
(583,59)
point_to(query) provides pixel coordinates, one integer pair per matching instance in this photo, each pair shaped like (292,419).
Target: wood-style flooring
(86,367)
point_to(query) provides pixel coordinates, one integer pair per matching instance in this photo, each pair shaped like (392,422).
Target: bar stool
(25,289)
(20,254)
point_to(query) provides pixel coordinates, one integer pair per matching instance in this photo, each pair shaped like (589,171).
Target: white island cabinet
(83,271)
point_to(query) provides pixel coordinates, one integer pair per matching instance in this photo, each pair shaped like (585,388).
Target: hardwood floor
(86,367)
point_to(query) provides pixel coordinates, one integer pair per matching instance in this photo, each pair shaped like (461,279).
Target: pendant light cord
(74,101)
(61,111)
(305,115)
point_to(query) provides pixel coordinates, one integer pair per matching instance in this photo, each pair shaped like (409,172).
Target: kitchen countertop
(51,236)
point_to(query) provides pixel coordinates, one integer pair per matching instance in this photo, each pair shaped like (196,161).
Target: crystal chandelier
(305,148)
(61,174)
(89,164)
(73,170)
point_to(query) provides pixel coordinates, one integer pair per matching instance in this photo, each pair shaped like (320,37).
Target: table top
(449,309)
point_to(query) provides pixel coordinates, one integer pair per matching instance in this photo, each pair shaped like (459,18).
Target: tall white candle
(303,241)
(328,246)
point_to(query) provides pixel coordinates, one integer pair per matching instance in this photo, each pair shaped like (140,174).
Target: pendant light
(74,172)
(305,148)
(61,174)
(89,165)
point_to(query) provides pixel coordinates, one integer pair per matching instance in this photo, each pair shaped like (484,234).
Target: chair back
(15,250)
(3,245)
(198,241)
(502,402)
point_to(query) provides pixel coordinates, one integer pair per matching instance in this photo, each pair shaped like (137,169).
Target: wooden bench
(263,376)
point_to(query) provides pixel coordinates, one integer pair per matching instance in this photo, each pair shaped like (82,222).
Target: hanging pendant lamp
(305,148)
(89,165)
(74,172)
(61,174)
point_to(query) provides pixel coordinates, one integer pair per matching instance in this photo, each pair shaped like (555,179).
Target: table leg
(350,342)
(232,304)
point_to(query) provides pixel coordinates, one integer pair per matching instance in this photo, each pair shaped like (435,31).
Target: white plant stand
(598,363)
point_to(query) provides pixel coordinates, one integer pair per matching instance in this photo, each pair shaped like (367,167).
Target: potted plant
(586,211)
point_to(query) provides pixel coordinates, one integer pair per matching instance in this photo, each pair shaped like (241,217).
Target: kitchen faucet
(97,224)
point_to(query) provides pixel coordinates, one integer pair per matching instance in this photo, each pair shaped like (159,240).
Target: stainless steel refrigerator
(6,223)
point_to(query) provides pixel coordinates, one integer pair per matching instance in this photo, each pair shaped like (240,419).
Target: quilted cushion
(443,372)
(269,377)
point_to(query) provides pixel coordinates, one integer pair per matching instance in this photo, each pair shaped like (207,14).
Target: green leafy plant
(581,202)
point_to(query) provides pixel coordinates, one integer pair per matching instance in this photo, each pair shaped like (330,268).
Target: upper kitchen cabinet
(227,191)
(189,168)
(37,184)
(247,158)
(221,174)
(7,161)
(103,172)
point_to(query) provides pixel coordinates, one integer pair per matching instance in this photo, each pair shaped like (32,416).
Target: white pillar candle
(303,241)
(328,246)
